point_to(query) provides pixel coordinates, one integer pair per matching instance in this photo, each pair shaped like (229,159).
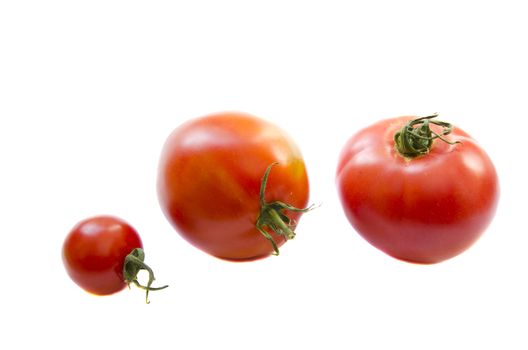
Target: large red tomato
(416,188)
(232,185)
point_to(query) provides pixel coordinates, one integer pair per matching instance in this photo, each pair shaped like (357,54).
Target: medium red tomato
(231,184)
(103,254)
(417,189)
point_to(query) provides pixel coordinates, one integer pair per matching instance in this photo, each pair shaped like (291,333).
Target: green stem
(416,138)
(281,225)
(134,262)
(272,215)
(264,183)
(137,284)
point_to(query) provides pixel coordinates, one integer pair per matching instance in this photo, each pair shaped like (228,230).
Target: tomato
(103,254)
(232,184)
(416,188)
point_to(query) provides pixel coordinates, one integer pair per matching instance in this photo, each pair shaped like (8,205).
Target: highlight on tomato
(233,185)
(104,254)
(419,189)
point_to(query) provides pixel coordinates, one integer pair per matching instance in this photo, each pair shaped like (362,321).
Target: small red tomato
(231,184)
(103,254)
(416,188)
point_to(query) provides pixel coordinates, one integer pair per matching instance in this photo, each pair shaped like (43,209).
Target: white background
(89,90)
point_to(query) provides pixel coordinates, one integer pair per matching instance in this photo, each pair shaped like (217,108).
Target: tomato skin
(94,253)
(209,178)
(423,210)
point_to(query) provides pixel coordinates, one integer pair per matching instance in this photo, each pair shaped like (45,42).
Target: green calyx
(416,137)
(272,215)
(134,262)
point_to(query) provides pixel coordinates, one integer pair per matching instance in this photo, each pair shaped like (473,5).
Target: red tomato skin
(94,253)
(422,210)
(209,179)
